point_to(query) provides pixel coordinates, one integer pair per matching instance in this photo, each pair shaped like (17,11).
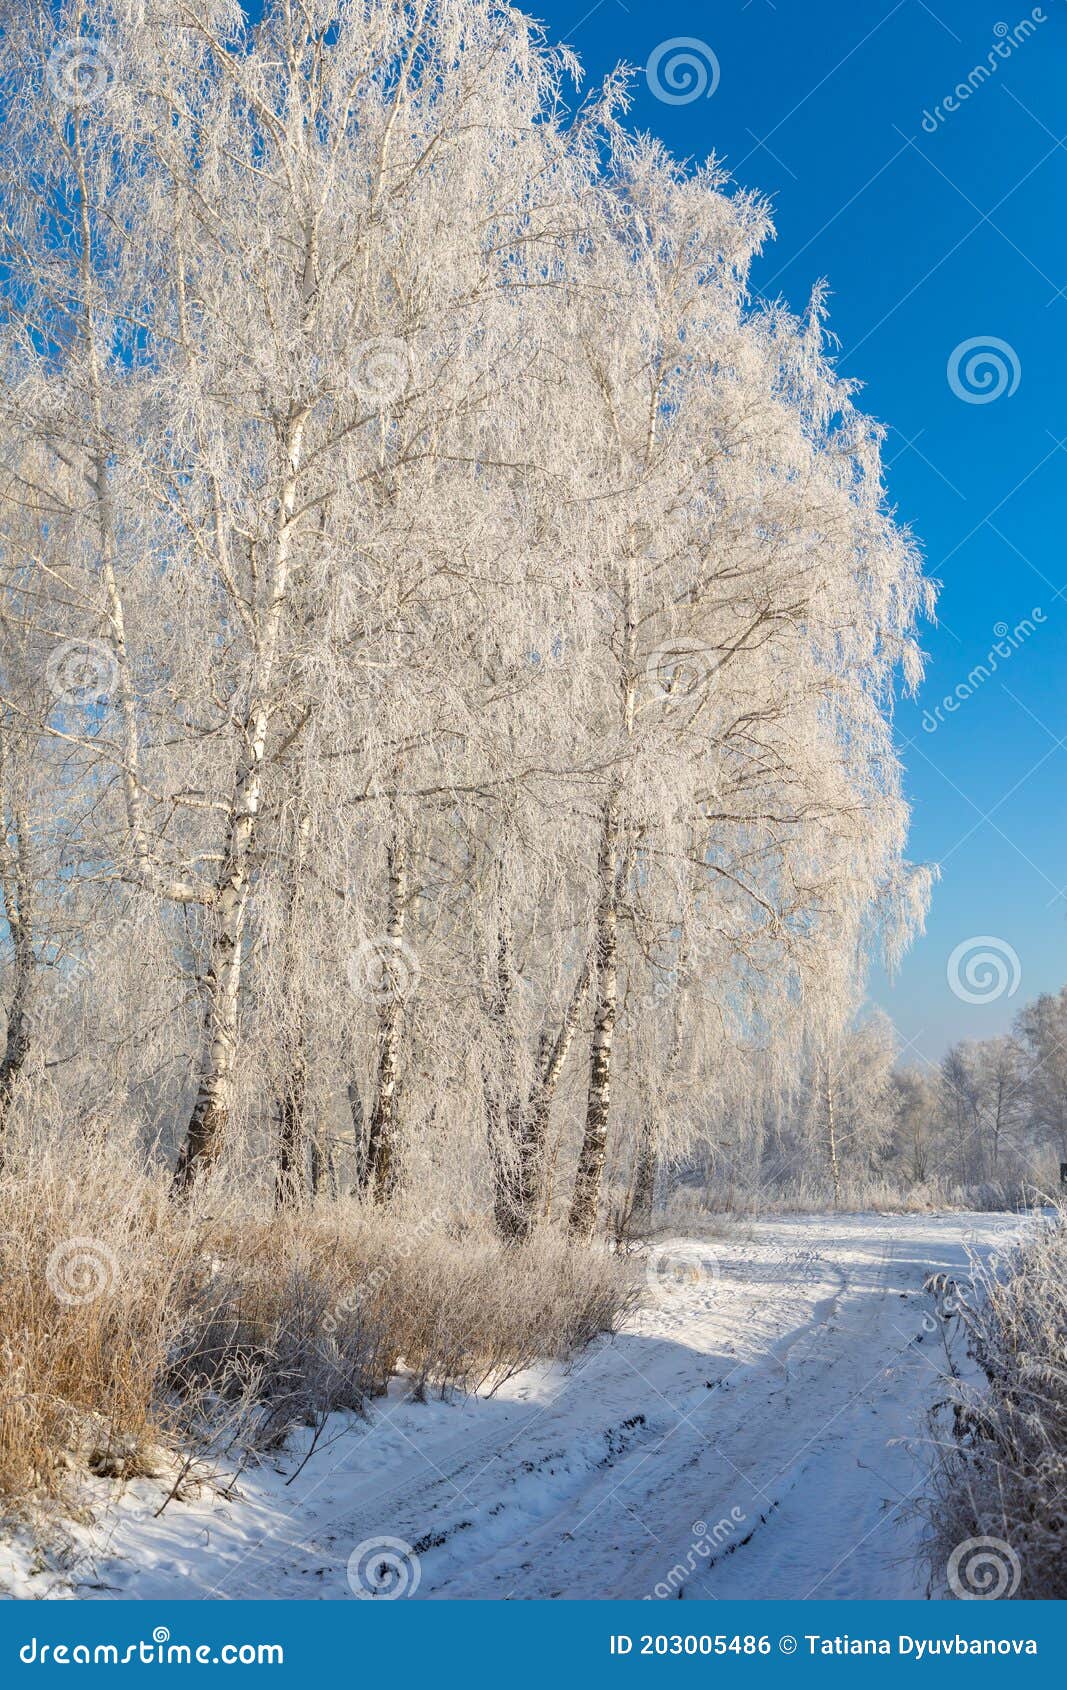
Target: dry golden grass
(126,1323)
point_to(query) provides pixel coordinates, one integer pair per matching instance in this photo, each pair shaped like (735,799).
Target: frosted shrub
(127,1322)
(1001,1470)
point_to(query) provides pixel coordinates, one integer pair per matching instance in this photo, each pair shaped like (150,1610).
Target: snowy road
(754,1432)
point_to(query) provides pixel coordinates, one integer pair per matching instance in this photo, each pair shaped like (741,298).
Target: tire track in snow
(776,1386)
(413,1505)
(675,1453)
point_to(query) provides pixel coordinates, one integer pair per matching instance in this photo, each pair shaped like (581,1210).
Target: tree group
(449,624)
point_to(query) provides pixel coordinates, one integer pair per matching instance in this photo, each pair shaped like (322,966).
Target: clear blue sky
(927,240)
(930,235)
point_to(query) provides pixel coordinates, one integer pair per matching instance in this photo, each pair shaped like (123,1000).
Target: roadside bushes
(92,1276)
(998,1503)
(127,1323)
(303,1314)
(690,1204)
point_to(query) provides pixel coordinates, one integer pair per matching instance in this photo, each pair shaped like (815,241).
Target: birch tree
(759,602)
(497,612)
(244,215)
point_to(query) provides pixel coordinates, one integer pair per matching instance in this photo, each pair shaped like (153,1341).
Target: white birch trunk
(831,1131)
(379,1172)
(593,1155)
(213,1106)
(290,1182)
(533,1132)
(18,884)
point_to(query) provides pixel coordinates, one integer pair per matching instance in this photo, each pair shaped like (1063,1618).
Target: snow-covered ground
(755,1431)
